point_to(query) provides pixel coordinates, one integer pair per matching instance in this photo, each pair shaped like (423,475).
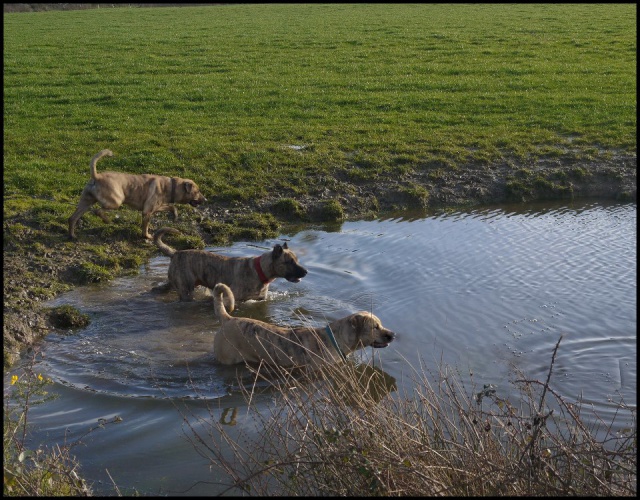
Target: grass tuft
(67,316)
(330,211)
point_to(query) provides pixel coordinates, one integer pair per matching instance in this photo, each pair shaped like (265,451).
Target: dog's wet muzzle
(297,275)
(387,338)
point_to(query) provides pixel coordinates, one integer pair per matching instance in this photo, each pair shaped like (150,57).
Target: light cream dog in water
(252,341)
(146,192)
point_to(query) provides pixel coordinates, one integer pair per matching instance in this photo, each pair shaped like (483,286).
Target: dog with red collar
(248,277)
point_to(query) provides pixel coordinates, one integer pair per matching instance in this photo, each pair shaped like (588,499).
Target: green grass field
(254,99)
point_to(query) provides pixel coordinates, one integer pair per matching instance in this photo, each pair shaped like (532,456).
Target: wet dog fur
(248,277)
(253,341)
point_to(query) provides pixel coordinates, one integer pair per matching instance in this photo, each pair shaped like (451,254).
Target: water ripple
(484,287)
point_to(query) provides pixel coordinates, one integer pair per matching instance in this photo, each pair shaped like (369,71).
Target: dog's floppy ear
(356,322)
(361,323)
(188,187)
(277,251)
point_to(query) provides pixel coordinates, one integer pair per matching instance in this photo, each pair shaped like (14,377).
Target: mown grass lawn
(255,99)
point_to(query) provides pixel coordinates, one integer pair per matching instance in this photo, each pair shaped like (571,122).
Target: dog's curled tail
(94,160)
(166,249)
(223,301)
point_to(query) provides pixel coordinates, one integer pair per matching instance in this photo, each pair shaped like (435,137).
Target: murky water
(479,289)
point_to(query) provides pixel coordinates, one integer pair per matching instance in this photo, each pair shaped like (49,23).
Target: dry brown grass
(345,430)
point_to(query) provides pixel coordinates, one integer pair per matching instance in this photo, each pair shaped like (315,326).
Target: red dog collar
(263,278)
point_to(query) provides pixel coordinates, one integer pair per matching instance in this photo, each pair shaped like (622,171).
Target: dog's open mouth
(379,345)
(384,342)
(295,277)
(195,203)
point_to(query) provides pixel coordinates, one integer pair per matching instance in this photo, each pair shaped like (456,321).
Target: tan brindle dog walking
(248,277)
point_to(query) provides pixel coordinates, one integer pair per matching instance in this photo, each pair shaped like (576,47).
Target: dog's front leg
(102,214)
(146,219)
(168,208)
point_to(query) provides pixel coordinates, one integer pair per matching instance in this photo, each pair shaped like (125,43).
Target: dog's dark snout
(296,274)
(299,271)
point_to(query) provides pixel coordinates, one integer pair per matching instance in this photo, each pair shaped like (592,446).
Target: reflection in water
(369,383)
(353,382)
(480,289)
(227,419)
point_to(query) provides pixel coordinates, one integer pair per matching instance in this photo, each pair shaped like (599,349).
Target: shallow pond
(481,289)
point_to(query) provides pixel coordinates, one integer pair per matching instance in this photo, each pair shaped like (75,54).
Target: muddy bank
(39,261)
